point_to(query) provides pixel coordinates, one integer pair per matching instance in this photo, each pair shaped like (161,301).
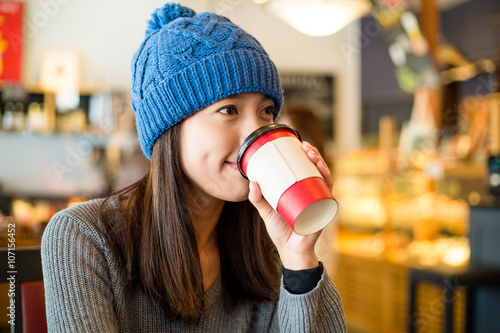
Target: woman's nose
(250,126)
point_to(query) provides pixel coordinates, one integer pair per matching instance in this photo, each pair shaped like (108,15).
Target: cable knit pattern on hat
(188,61)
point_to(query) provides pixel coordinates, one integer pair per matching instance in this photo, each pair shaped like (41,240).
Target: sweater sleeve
(319,310)
(76,278)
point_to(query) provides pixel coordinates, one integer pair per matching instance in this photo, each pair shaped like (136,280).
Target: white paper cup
(273,157)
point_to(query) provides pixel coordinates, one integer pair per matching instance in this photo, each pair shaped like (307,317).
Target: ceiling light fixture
(319,17)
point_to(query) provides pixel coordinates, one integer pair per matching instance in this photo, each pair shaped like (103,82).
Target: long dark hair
(156,240)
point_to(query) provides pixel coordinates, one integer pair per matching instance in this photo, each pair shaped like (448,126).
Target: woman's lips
(232,165)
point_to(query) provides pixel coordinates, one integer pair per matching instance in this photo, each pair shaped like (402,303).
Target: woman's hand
(296,251)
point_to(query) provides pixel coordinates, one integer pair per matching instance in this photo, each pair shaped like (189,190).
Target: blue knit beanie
(188,61)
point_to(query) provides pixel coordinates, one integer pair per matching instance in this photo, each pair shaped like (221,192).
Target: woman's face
(211,138)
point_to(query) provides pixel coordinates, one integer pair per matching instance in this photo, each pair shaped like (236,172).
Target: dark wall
(381,94)
(474,28)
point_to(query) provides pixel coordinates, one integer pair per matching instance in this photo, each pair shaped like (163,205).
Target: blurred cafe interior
(406,99)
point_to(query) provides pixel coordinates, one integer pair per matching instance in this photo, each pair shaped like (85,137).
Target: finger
(263,207)
(315,157)
(278,229)
(306,146)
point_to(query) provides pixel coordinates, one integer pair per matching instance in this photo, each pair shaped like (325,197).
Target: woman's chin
(238,197)
(235,195)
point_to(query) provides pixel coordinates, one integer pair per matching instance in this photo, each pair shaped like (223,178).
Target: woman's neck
(205,214)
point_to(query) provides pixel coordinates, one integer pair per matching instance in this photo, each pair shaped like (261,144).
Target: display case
(54,158)
(394,220)
(403,216)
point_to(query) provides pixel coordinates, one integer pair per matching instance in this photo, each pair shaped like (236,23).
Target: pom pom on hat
(167,14)
(188,61)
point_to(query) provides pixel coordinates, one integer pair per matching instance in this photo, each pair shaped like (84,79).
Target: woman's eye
(268,110)
(229,110)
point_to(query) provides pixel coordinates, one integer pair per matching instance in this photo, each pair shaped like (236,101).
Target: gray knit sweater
(85,291)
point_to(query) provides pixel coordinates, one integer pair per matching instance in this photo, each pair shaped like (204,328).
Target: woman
(192,246)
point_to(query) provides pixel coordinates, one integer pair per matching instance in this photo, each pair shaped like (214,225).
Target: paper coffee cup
(273,157)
